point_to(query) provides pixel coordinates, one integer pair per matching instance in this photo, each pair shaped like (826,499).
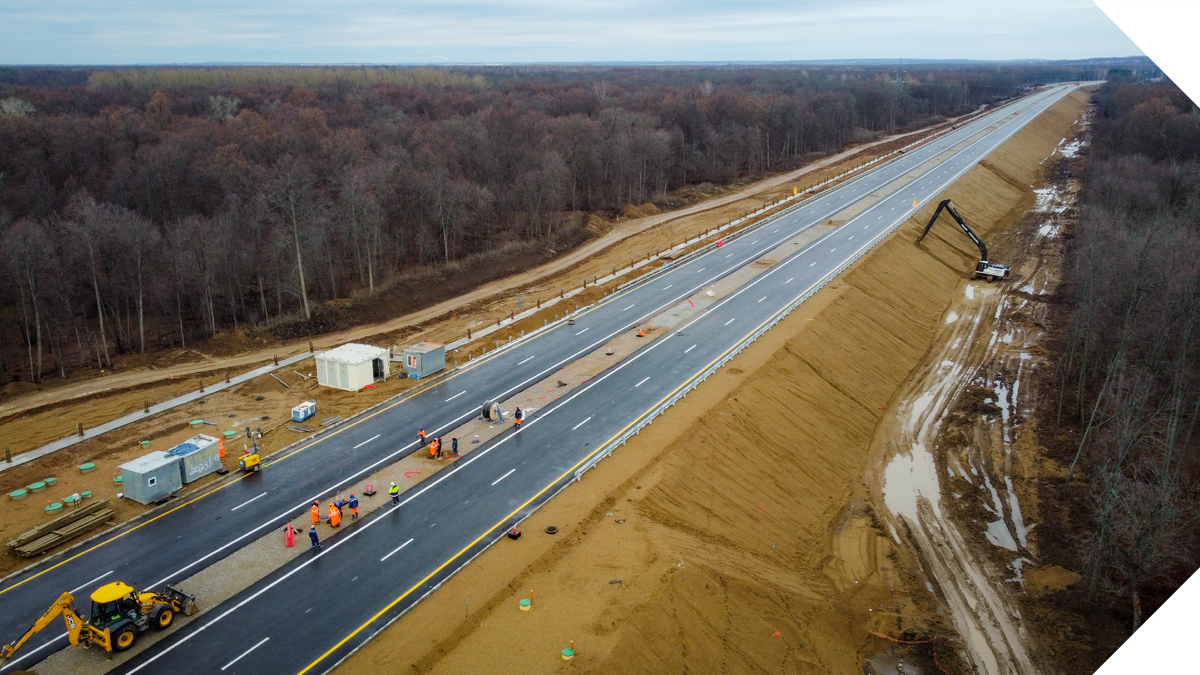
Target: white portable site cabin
(352,366)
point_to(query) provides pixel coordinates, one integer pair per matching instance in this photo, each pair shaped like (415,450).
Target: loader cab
(113,603)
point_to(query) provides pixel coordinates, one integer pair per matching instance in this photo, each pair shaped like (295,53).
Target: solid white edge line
(396,550)
(510,472)
(243,654)
(457,467)
(580,424)
(365,442)
(247,502)
(76,590)
(33,651)
(431,485)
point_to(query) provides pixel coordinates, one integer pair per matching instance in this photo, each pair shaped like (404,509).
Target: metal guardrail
(810,193)
(695,380)
(737,348)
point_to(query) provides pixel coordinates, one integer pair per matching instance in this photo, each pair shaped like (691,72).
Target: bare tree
(28,250)
(363,217)
(290,193)
(141,242)
(90,228)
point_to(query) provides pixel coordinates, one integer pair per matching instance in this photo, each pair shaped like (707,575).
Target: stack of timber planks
(67,526)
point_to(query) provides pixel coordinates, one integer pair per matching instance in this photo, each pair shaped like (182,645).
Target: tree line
(1130,374)
(144,208)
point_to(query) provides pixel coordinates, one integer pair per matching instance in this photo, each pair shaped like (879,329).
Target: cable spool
(486,411)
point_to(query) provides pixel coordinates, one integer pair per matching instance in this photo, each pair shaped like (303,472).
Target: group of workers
(435,445)
(338,504)
(335,513)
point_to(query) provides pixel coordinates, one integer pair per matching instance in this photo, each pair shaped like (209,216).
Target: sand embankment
(742,536)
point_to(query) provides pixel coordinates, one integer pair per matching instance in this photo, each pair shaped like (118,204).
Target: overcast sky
(487,31)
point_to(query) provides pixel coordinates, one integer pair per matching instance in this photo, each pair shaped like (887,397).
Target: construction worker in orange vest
(315,512)
(421,435)
(335,516)
(433,449)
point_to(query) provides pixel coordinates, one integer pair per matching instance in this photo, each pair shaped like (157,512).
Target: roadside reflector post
(275,358)
(226,377)
(310,347)
(201,386)
(79,428)
(468,333)
(7,456)
(146,406)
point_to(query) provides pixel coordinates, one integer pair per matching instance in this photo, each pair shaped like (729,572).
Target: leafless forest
(1130,376)
(146,208)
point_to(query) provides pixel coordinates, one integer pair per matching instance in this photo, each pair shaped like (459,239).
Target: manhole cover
(551,530)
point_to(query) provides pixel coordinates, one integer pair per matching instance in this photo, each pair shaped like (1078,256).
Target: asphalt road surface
(282,624)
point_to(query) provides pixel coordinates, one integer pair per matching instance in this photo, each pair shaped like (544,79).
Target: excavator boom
(60,606)
(949,207)
(984,268)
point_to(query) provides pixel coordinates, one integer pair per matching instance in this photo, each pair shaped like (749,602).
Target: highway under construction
(396,556)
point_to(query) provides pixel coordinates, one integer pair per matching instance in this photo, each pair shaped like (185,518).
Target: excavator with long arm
(985,268)
(119,615)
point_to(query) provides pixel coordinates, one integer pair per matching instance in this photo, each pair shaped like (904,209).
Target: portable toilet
(151,477)
(198,457)
(352,366)
(425,358)
(304,411)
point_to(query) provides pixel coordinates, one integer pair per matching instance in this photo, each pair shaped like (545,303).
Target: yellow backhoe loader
(119,615)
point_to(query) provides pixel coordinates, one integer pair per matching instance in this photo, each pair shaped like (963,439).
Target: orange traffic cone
(641,333)
(221,447)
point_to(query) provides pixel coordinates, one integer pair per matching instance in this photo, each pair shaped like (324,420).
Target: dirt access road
(547,272)
(745,531)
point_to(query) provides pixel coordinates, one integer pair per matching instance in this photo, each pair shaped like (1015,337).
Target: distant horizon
(878,61)
(476,32)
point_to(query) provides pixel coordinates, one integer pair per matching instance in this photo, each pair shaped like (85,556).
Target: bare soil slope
(737,534)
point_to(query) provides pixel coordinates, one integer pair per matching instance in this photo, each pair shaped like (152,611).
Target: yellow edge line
(198,497)
(552,484)
(298,450)
(235,480)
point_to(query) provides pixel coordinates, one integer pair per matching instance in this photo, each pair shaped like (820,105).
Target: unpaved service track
(546,274)
(415,546)
(665,561)
(481,496)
